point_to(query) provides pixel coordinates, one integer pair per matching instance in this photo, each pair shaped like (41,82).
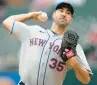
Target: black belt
(21,83)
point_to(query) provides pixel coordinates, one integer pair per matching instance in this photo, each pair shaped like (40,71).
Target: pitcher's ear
(71,21)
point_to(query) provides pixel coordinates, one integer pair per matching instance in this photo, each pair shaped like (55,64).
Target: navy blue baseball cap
(65,5)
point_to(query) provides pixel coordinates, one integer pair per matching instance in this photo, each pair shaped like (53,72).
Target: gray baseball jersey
(40,63)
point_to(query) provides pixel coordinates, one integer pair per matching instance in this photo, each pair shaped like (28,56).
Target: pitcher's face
(62,17)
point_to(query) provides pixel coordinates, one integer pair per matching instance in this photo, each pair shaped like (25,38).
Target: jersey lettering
(56,48)
(41,42)
(55,64)
(51,45)
(37,41)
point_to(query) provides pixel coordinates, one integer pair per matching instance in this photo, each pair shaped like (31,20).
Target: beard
(62,23)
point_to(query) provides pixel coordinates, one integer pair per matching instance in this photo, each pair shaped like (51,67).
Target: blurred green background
(84,23)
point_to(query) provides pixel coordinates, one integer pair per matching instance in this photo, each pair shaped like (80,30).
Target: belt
(21,83)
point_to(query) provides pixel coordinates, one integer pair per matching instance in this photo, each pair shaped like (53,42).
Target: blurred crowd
(6,81)
(91,47)
(86,29)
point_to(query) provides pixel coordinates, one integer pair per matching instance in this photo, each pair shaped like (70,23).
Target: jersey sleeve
(22,31)
(82,58)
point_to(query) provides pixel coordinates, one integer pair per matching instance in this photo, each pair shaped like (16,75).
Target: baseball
(43,15)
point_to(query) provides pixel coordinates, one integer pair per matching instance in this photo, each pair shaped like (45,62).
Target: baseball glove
(68,45)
